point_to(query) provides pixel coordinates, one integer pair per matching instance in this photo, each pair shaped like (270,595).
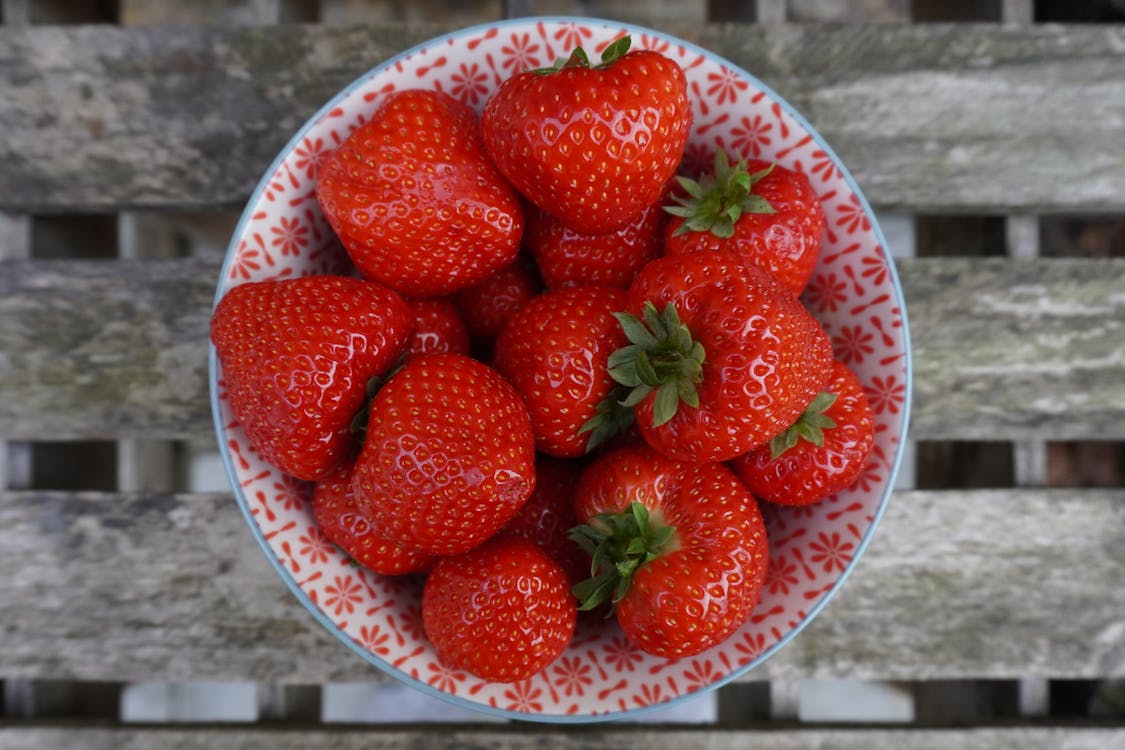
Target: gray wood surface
(549,738)
(929,117)
(1004,349)
(958,584)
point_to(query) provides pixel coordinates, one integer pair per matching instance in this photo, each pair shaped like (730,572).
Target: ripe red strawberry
(568,258)
(548,515)
(485,307)
(766,213)
(448,454)
(335,511)
(555,350)
(592,146)
(722,356)
(502,611)
(415,199)
(822,453)
(438,326)
(297,356)
(680,548)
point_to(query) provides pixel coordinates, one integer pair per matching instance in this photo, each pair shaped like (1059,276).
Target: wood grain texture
(1003,349)
(928,117)
(967,584)
(613,737)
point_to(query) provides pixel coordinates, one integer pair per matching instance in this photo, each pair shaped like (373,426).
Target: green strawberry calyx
(661,358)
(579,59)
(809,426)
(618,545)
(717,201)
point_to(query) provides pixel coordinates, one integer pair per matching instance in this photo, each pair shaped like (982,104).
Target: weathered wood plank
(1004,349)
(613,737)
(992,584)
(929,117)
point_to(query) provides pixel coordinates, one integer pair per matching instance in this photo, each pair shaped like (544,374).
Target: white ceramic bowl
(854,292)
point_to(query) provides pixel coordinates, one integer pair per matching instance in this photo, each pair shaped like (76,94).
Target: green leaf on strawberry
(716,202)
(809,426)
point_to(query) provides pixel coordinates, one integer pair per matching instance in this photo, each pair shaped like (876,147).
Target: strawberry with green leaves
(502,611)
(766,213)
(823,452)
(678,548)
(592,145)
(448,455)
(415,199)
(722,357)
(555,351)
(296,358)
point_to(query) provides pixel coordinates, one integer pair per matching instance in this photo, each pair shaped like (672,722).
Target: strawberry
(568,258)
(486,306)
(335,511)
(555,350)
(722,357)
(766,213)
(548,515)
(296,356)
(591,145)
(447,457)
(438,326)
(821,453)
(502,611)
(416,201)
(678,548)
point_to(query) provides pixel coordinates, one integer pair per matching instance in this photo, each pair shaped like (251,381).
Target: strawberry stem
(619,544)
(579,59)
(717,201)
(661,358)
(809,426)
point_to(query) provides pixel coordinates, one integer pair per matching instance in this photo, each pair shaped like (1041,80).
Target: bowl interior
(854,292)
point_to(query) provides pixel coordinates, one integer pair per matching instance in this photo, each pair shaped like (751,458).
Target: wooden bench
(991,595)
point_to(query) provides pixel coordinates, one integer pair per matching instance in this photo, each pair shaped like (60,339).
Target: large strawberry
(337,515)
(296,357)
(416,201)
(721,359)
(821,453)
(591,145)
(768,214)
(679,548)
(502,611)
(555,351)
(448,454)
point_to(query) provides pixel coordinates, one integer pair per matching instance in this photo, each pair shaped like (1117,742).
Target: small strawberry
(721,359)
(438,326)
(766,213)
(679,548)
(502,611)
(335,511)
(296,357)
(554,351)
(822,453)
(591,145)
(548,515)
(448,454)
(486,306)
(565,257)
(415,199)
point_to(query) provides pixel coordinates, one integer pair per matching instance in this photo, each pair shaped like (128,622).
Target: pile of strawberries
(562,376)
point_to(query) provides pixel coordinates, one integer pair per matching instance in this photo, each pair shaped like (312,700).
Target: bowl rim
(319,615)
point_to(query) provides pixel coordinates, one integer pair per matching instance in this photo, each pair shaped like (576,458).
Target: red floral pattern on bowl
(854,292)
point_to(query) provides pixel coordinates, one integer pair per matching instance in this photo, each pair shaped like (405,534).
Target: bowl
(854,292)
